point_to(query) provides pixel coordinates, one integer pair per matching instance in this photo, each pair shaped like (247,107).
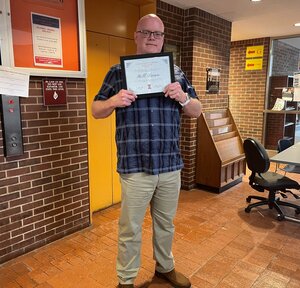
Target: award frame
(147,74)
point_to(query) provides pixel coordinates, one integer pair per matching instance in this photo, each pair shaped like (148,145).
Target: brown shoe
(125,286)
(177,279)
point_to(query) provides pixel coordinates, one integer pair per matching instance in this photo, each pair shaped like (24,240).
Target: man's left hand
(174,91)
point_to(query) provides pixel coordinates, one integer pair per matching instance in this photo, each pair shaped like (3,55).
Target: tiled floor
(216,244)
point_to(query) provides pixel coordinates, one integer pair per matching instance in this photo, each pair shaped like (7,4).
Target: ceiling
(268,18)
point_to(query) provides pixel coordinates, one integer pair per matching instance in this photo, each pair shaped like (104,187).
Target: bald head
(152,43)
(150,18)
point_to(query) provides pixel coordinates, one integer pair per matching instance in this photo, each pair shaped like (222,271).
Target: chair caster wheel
(247,210)
(248,199)
(280,217)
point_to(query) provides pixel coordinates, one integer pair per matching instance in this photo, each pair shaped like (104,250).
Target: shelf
(220,155)
(289,124)
(280,124)
(282,111)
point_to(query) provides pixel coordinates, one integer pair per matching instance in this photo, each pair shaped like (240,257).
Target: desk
(289,156)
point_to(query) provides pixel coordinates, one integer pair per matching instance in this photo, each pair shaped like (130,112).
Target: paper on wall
(296,94)
(13,82)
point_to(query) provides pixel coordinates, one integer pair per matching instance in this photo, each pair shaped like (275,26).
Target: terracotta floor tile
(44,285)
(42,256)
(242,266)
(271,279)
(25,281)
(50,269)
(216,244)
(216,269)
(283,270)
(61,264)
(293,284)
(200,283)
(235,250)
(10,285)
(237,281)
(20,268)
(296,274)
(31,262)
(38,276)
(260,257)
(7,275)
(74,260)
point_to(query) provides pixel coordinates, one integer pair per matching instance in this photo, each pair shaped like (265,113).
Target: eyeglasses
(147,34)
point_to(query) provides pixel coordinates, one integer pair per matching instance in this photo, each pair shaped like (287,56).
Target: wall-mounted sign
(254,64)
(212,80)
(255,51)
(46,37)
(54,92)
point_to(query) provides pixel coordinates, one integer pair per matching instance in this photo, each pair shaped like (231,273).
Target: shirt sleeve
(112,84)
(184,82)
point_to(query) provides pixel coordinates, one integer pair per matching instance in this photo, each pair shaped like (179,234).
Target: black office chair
(261,179)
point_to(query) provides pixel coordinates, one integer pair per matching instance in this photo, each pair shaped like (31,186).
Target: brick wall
(285,59)
(44,193)
(204,41)
(247,89)
(207,44)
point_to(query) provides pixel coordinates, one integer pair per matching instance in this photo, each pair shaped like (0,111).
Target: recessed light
(255,0)
(297,24)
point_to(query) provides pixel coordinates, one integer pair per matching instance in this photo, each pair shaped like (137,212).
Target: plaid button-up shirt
(147,131)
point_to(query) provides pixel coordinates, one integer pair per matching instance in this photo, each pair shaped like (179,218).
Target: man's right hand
(123,98)
(104,108)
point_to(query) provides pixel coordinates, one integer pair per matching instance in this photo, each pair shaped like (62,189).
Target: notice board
(47,37)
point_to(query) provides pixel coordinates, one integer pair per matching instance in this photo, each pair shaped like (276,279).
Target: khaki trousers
(138,191)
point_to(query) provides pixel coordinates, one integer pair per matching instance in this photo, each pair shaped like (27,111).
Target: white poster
(13,82)
(296,94)
(47,43)
(296,80)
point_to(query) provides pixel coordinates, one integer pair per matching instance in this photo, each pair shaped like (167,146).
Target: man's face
(152,43)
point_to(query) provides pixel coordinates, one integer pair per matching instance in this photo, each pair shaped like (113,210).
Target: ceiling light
(255,0)
(297,24)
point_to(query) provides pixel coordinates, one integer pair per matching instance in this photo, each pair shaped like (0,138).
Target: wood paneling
(113,17)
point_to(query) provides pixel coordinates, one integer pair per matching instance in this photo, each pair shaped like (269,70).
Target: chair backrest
(283,144)
(256,156)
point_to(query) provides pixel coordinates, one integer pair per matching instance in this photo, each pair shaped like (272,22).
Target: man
(149,161)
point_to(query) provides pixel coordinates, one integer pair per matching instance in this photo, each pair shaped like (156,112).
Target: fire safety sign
(54,92)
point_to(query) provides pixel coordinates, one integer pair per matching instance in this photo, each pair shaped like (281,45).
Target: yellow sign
(254,64)
(255,51)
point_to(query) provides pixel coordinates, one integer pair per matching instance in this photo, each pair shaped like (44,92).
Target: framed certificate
(148,74)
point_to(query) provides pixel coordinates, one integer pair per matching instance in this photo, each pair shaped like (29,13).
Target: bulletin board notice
(48,37)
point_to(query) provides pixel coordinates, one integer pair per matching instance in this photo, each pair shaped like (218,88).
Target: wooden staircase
(220,155)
